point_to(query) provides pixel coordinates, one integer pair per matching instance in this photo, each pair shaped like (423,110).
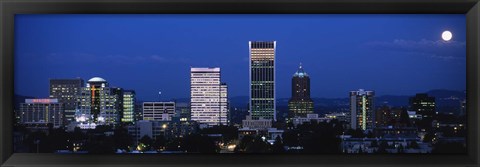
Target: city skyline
(435,64)
(109,106)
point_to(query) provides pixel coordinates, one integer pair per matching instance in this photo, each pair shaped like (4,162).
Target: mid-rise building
(98,104)
(167,129)
(208,96)
(308,119)
(66,91)
(183,111)
(340,116)
(158,111)
(41,111)
(257,124)
(129,100)
(300,104)
(262,80)
(362,109)
(394,117)
(423,105)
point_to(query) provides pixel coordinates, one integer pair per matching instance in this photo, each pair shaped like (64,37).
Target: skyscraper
(98,103)
(362,109)
(66,91)
(300,104)
(129,99)
(208,96)
(118,93)
(262,80)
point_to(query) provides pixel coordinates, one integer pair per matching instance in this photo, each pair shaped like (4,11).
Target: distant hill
(441,93)
(446,100)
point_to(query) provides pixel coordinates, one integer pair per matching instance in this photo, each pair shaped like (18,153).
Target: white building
(158,111)
(208,96)
(310,117)
(258,124)
(98,104)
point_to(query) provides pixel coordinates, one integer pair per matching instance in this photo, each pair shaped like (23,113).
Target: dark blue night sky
(391,54)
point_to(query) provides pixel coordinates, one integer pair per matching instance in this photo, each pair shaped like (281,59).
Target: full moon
(447,35)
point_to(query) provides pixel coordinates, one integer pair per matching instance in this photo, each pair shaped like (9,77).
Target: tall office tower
(262,80)
(129,100)
(362,109)
(98,103)
(41,111)
(423,105)
(208,96)
(158,111)
(300,104)
(118,93)
(66,91)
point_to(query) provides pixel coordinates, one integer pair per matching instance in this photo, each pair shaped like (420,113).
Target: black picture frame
(9,8)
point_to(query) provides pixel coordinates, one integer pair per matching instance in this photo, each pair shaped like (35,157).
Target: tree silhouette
(278,145)
(123,140)
(146,141)
(160,142)
(198,144)
(449,148)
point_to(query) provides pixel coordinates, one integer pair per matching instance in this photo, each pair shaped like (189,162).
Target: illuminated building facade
(423,105)
(362,111)
(129,99)
(66,91)
(300,104)
(41,111)
(262,80)
(98,104)
(208,96)
(158,111)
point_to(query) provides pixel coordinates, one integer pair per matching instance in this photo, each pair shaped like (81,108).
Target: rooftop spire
(300,72)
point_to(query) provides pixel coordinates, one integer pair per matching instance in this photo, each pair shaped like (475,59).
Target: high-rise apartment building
(262,80)
(208,96)
(66,91)
(362,109)
(300,103)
